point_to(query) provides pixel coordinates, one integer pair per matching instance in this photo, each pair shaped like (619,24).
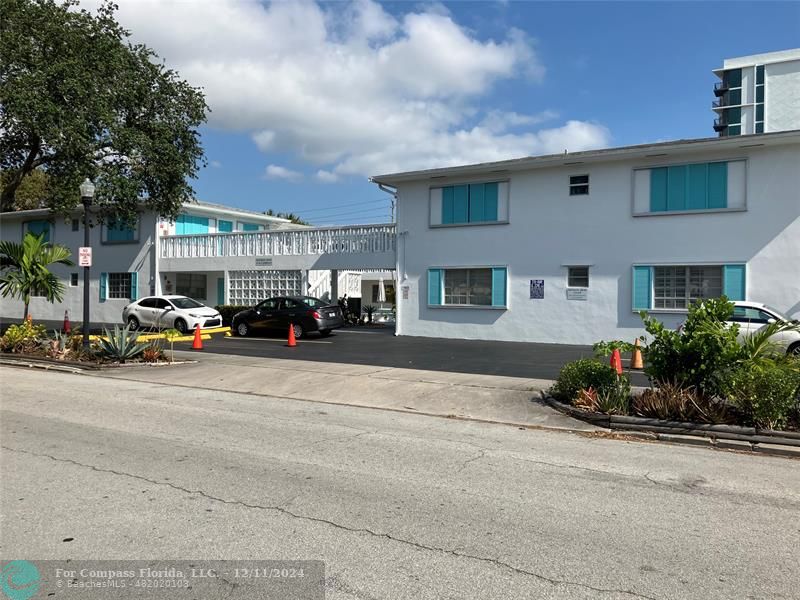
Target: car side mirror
(771,321)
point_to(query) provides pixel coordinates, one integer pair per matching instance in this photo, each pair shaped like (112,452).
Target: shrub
(120,345)
(602,348)
(700,354)
(583,374)
(228,310)
(674,402)
(613,400)
(152,353)
(25,337)
(766,394)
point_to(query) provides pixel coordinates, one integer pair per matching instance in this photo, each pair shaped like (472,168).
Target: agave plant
(121,344)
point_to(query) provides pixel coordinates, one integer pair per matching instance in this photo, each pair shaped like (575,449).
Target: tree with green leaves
(289,216)
(25,269)
(78,99)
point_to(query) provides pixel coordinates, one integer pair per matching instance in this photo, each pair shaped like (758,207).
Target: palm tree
(24,269)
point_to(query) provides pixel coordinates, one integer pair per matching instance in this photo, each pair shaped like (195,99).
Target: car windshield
(777,313)
(314,302)
(186,303)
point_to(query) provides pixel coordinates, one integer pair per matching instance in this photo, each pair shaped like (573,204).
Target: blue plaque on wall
(537,289)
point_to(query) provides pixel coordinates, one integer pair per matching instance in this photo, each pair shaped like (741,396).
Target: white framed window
(119,285)
(468,287)
(73,279)
(579,185)
(578,277)
(679,286)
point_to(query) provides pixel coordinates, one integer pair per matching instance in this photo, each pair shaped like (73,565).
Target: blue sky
(309,99)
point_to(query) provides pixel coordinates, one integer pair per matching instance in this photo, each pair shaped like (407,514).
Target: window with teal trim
(120,231)
(473,203)
(478,287)
(38,228)
(191,225)
(699,186)
(675,287)
(250,227)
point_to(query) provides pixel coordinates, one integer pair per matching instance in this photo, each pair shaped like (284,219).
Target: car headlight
(195,316)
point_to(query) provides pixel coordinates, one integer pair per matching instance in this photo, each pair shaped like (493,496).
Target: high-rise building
(758,93)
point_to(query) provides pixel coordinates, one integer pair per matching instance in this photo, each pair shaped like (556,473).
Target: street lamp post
(87,193)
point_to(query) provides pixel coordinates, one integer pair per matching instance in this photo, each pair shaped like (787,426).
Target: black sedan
(303,313)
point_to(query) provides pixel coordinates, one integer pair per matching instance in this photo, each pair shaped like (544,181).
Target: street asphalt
(397,505)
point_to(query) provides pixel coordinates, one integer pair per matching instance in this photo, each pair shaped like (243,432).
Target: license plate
(331,314)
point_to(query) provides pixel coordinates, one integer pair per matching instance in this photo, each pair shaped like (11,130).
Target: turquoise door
(220,290)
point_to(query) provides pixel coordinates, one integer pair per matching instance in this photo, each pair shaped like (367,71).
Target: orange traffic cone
(29,319)
(197,344)
(636,359)
(67,324)
(291,342)
(616,362)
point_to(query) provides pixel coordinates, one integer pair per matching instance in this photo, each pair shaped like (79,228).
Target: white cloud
(279,172)
(324,176)
(353,89)
(215,164)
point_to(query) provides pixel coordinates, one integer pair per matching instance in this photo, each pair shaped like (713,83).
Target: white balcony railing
(351,239)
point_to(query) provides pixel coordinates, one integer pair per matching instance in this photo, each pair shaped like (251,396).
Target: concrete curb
(52,364)
(725,437)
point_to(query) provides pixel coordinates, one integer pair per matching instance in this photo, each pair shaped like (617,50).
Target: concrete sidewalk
(491,398)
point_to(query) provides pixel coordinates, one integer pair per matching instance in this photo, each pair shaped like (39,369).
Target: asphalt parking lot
(380,347)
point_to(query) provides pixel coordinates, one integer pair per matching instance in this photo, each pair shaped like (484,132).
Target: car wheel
(133,323)
(181,326)
(298,331)
(794,350)
(324,332)
(242,329)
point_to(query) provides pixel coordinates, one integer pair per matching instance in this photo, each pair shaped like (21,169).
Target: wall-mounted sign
(577,293)
(405,292)
(263,262)
(537,289)
(84,256)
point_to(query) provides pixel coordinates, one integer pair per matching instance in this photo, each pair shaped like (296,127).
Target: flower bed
(700,375)
(31,341)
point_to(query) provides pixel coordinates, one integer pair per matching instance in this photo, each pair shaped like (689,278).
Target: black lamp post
(87,193)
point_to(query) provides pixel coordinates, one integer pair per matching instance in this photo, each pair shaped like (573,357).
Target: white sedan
(752,316)
(165,312)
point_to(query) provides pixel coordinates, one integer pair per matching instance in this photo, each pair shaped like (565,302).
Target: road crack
(359,530)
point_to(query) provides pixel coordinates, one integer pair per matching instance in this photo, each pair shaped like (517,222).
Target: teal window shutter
(733,281)
(134,286)
(718,185)
(499,278)
(220,290)
(249,227)
(180,225)
(658,189)
(224,226)
(103,286)
(476,196)
(490,196)
(447,205)
(38,228)
(435,277)
(676,188)
(642,287)
(697,187)
(119,231)
(460,204)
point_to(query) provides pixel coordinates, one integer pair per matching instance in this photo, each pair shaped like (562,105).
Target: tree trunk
(25,314)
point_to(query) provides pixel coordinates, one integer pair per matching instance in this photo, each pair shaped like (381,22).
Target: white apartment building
(758,94)
(569,248)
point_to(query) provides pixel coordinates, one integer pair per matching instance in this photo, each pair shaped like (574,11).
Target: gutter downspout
(397,254)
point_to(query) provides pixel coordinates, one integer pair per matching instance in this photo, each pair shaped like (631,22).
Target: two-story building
(569,248)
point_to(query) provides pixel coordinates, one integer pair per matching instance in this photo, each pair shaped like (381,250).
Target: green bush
(228,310)
(698,356)
(583,374)
(25,337)
(766,395)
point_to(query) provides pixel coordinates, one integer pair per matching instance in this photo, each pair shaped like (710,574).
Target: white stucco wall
(782,96)
(106,257)
(549,230)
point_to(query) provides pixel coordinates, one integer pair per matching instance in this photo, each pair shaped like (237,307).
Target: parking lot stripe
(282,341)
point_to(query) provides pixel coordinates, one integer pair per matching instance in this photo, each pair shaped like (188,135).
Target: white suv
(165,312)
(752,316)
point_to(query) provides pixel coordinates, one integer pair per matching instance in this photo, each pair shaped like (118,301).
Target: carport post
(334,286)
